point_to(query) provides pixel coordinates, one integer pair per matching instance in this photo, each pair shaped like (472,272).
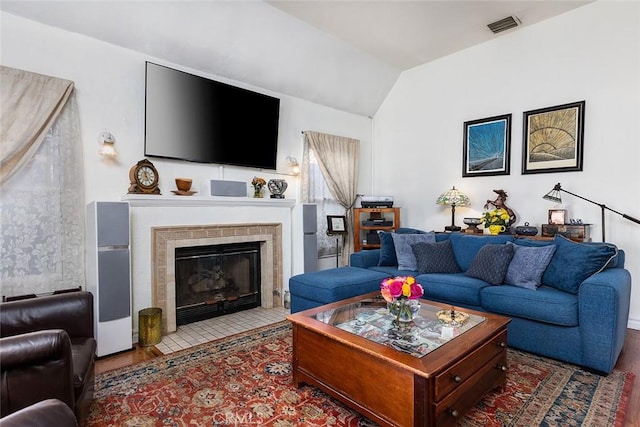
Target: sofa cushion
(435,257)
(491,263)
(528,265)
(466,246)
(387,248)
(404,253)
(453,288)
(547,304)
(335,284)
(574,262)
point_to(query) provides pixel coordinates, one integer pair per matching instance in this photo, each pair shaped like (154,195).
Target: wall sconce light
(106,141)
(294,166)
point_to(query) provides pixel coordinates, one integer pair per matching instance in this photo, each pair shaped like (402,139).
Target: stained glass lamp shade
(453,198)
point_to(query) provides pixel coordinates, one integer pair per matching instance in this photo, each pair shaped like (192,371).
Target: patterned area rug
(245,380)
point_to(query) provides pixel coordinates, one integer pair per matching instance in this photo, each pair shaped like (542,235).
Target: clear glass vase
(404,310)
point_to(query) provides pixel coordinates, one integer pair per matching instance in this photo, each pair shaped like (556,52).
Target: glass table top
(370,319)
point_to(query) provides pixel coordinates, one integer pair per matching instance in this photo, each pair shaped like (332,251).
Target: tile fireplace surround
(165,240)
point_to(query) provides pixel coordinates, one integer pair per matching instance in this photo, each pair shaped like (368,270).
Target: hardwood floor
(629,361)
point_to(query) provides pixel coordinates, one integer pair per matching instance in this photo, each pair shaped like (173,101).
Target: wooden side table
(576,232)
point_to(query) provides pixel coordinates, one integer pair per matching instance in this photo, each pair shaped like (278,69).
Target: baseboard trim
(633,324)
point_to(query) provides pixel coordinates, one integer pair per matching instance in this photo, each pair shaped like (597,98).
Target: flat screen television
(192,118)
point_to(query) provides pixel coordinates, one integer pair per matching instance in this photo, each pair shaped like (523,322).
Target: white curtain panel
(41,195)
(337,158)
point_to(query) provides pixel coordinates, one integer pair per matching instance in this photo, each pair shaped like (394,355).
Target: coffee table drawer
(490,375)
(455,376)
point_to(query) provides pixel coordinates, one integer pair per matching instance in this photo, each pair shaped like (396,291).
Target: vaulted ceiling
(342,54)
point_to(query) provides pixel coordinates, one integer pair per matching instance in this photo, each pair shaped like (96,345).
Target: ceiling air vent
(504,24)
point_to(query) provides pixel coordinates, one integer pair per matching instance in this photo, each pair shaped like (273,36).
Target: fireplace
(214,280)
(166,239)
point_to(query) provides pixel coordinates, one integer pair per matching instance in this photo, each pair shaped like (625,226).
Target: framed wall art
(487,144)
(336,224)
(553,139)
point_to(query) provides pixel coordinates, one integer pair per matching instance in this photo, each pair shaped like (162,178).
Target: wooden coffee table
(426,374)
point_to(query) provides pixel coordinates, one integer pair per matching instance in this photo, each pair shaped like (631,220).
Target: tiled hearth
(208,330)
(165,240)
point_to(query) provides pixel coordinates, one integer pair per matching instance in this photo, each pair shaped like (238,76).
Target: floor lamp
(554,196)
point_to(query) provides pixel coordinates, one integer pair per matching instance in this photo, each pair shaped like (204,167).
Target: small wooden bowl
(183,184)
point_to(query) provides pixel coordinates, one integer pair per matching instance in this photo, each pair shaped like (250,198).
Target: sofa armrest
(365,259)
(36,366)
(604,300)
(72,312)
(50,412)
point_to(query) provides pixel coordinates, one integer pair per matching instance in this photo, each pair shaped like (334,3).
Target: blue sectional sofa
(569,302)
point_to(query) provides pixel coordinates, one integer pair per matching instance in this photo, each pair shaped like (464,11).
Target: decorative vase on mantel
(404,310)
(277,187)
(257,192)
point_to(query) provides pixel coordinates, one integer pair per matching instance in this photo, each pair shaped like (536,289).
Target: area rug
(245,380)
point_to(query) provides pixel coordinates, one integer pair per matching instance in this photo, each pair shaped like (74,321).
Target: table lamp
(453,198)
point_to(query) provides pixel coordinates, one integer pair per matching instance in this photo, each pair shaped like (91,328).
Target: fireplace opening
(216,280)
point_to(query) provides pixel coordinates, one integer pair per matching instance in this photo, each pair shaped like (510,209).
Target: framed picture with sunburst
(553,139)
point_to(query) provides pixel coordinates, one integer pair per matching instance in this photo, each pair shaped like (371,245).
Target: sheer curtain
(337,159)
(42,203)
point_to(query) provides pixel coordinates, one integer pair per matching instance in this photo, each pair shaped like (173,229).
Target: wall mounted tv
(192,118)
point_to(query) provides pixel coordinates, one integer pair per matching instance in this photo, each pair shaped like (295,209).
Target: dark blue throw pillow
(491,263)
(574,262)
(435,257)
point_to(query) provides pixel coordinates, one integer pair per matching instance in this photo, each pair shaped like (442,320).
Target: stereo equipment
(228,188)
(377,223)
(376,201)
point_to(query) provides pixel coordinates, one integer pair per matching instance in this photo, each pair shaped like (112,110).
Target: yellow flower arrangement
(495,217)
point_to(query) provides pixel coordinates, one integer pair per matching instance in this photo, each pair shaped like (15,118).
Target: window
(320,195)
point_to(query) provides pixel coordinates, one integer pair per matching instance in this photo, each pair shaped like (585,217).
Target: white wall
(109,85)
(591,54)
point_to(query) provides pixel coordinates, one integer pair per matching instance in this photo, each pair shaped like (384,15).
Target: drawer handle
(502,344)
(457,379)
(503,368)
(454,413)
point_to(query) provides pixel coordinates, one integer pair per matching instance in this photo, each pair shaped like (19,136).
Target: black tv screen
(192,118)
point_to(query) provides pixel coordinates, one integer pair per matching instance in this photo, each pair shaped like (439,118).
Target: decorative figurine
(277,187)
(499,204)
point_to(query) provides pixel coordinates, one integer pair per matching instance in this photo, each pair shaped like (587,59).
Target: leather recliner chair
(50,412)
(47,350)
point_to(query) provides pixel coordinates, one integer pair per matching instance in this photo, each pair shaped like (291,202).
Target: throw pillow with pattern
(491,263)
(435,257)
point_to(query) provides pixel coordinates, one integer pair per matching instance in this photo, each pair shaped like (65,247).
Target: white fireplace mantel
(151,200)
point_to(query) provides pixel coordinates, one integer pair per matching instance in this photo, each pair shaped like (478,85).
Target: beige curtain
(30,105)
(338,160)
(42,187)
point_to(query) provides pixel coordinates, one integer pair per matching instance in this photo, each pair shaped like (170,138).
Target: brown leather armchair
(50,412)
(47,350)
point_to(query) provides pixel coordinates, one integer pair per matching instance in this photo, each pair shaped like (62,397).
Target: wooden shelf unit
(360,231)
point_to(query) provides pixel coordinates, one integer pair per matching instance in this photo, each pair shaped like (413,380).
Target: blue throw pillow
(436,257)
(388,250)
(404,253)
(491,263)
(528,265)
(573,263)
(466,246)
